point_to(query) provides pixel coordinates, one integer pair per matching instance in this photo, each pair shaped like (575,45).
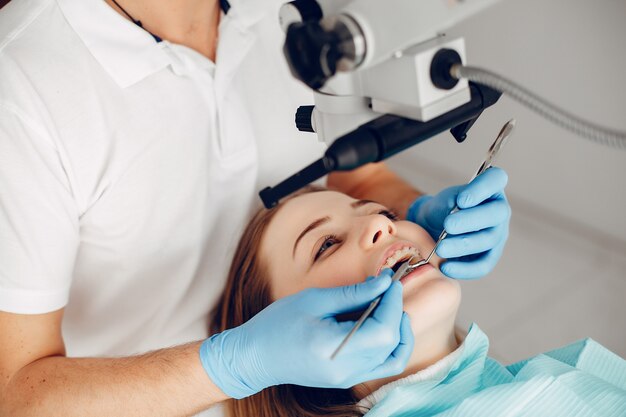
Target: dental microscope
(385,78)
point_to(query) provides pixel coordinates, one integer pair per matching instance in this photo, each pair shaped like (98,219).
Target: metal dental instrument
(495,148)
(402,271)
(407,267)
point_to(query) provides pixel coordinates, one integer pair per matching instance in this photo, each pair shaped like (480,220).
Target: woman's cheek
(337,278)
(340,272)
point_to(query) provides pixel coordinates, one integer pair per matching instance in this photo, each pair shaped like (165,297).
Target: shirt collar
(127,52)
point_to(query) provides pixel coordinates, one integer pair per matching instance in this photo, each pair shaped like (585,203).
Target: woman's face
(328,239)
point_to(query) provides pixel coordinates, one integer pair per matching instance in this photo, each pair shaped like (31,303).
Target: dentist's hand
(477,233)
(291,341)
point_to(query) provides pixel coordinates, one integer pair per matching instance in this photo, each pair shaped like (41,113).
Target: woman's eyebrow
(310,227)
(321,221)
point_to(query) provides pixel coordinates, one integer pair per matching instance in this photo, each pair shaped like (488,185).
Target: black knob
(304,117)
(440,67)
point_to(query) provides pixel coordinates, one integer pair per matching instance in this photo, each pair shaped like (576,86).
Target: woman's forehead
(303,209)
(305,203)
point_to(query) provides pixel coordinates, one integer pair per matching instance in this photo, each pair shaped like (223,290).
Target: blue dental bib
(581,379)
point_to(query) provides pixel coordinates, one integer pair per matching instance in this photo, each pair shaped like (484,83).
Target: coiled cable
(596,133)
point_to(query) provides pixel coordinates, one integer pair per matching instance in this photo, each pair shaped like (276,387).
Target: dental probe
(407,267)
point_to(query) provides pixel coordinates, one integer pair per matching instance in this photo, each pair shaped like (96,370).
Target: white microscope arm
(387,47)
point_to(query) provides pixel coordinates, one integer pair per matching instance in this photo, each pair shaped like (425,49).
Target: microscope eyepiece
(311,53)
(316,50)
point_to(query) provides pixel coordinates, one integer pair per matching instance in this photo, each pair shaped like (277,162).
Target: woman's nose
(376,229)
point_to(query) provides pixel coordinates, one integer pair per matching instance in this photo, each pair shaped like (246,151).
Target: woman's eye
(391,215)
(328,242)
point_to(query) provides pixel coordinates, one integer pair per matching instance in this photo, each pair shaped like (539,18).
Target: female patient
(322,238)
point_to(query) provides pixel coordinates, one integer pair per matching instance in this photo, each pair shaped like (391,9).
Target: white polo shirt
(128,168)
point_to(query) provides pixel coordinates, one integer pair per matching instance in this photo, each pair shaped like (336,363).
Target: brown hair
(247,292)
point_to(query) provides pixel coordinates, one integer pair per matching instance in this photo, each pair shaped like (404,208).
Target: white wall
(572,52)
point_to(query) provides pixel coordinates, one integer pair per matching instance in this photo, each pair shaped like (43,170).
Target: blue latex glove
(291,341)
(477,233)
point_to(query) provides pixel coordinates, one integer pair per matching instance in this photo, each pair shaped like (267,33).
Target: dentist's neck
(192,23)
(430,347)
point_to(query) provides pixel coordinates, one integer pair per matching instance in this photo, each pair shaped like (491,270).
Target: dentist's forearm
(167,382)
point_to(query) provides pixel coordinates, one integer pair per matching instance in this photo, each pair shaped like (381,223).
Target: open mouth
(396,258)
(398,264)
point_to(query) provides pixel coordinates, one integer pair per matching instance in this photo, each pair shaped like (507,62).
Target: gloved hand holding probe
(291,341)
(477,233)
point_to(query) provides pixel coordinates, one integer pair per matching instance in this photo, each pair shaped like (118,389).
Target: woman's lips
(390,250)
(416,273)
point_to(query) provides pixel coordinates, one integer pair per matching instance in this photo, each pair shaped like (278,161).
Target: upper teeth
(399,254)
